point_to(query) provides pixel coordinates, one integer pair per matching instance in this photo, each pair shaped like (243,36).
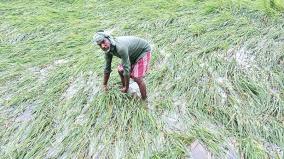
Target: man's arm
(126,68)
(126,83)
(107,69)
(106,77)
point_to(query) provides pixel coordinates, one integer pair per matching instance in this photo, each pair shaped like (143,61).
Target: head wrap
(100,36)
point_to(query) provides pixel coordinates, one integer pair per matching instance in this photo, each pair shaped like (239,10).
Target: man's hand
(105,88)
(124,90)
(126,85)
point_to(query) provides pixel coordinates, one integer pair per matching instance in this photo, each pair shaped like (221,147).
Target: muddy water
(232,149)
(12,114)
(52,152)
(57,146)
(74,87)
(174,120)
(81,119)
(96,146)
(42,73)
(25,116)
(119,149)
(273,150)
(197,150)
(92,86)
(242,56)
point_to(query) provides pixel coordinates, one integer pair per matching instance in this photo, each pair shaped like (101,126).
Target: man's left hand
(124,90)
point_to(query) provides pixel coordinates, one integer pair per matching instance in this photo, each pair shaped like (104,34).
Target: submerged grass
(216,77)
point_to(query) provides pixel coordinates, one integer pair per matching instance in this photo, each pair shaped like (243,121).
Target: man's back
(135,46)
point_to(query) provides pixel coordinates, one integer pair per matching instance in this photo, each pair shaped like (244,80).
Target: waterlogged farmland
(215,88)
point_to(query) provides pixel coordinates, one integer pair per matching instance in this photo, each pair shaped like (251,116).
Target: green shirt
(130,49)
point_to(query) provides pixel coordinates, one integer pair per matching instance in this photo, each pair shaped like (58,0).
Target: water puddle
(242,56)
(25,117)
(12,34)
(231,149)
(42,73)
(98,150)
(57,146)
(6,97)
(224,97)
(119,149)
(273,150)
(81,120)
(156,144)
(92,86)
(96,146)
(159,142)
(89,84)
(53,152)
(7,115)
(163,60)
(60,62)
(197,150)
(74,87)
(174,120)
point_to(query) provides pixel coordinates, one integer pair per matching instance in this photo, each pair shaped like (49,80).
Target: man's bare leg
(142,87)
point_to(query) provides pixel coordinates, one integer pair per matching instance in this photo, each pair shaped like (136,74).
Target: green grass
(216,76)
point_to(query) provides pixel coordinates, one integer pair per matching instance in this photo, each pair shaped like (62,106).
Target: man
(135,54)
